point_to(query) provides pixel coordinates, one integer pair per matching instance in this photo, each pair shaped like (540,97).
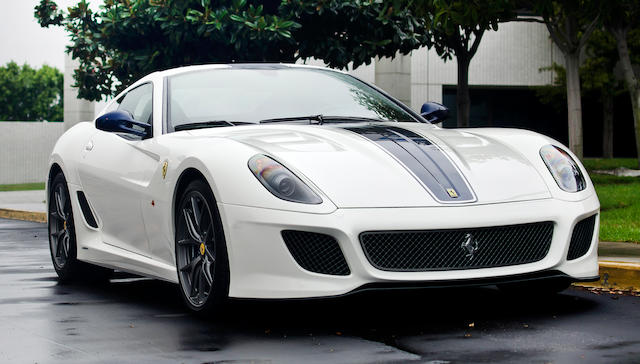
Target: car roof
(248,66)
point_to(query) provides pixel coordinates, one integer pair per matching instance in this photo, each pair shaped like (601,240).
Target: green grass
(23,187)
(609,163)
(619,200)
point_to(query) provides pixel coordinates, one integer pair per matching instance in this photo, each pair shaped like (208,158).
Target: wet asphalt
(141,320)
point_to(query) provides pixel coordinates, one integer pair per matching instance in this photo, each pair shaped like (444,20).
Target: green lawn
(609,163)
(619,200)
(23,187)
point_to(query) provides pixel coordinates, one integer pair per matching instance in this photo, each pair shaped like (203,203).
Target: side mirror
(434,112)
(120,121)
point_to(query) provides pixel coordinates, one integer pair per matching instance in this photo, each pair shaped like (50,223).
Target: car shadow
(377,315)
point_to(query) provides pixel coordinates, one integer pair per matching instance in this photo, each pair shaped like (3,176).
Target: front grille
(581,238)
(316,252)
(431,250)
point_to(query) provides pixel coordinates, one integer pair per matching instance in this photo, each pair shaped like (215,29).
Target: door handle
(89,146)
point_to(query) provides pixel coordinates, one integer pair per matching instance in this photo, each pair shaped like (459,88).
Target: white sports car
(286,181)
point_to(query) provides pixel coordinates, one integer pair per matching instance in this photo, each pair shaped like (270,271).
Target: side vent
(86,210)
(581,238)
(316,252)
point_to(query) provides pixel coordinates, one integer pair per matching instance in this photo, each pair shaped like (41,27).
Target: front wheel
(62,238)
(201,253)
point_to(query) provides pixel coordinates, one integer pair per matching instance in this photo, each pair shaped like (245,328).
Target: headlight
(563,168)
(280,181)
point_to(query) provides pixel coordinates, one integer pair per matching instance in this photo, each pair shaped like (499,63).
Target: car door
(115,172)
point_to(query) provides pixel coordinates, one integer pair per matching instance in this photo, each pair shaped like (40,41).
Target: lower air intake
(581,238)
(432,250)
(316,252)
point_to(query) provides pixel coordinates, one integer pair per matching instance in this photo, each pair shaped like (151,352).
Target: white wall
(24,150)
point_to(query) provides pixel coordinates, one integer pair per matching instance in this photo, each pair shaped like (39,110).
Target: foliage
(127,39)
(30,94)
(597,71)
(457,26)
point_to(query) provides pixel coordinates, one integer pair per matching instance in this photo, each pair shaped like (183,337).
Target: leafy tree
(30,94)
(570,23)
(622,19)
(598,80)
(128,39)
(456,29)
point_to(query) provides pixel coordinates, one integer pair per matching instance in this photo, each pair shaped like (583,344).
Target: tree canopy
(127,39)
(28,94)
(456,28)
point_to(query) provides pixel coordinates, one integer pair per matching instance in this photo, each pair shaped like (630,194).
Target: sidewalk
(619,262)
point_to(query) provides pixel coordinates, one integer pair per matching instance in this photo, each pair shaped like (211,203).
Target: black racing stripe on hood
(423,158)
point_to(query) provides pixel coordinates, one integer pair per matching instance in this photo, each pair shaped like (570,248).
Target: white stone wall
(25,148)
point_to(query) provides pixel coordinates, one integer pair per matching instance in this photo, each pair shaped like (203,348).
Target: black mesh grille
(457,249)
(316,252)
(581,238)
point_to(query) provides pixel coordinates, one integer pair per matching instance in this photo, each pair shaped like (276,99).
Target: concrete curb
(23,215)
(623,276)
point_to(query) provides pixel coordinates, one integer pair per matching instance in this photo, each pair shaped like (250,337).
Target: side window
(139,102)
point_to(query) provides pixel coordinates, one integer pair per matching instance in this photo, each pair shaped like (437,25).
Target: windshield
(241,95)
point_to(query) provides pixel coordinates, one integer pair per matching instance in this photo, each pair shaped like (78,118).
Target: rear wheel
(201,254)
(62,238)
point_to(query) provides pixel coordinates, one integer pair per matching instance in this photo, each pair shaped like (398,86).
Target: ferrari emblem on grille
(470,245)
(452,192)
(164,169)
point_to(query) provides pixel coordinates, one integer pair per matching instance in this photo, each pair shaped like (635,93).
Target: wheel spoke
(59,197)
(59,244)
(191,227)
(65,244)
(189,267)
(57,234)
(197,213)
(195,282)
(55,215)
(188,241)
(206,270)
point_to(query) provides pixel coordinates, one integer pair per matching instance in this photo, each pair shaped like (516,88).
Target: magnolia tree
(127,39)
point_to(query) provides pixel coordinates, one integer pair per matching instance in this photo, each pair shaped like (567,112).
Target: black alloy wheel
(201,256)
(62,238)
(61,229)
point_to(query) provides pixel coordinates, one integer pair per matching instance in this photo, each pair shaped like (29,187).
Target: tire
(62,238)
(544,287)
(202,262)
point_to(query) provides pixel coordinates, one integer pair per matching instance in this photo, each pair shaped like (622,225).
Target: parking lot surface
(141,320)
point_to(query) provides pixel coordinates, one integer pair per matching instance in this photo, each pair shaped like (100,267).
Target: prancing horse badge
(164,169)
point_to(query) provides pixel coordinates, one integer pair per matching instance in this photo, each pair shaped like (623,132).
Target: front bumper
(262,267)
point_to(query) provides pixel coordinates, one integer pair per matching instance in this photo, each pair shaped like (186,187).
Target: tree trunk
(574,105)
(607,124)
(631,82)
(462,95)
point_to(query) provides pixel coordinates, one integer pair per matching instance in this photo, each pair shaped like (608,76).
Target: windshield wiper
(318,118)
(321,119)
(203,124)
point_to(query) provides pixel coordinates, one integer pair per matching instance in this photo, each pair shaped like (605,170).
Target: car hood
(356,165)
